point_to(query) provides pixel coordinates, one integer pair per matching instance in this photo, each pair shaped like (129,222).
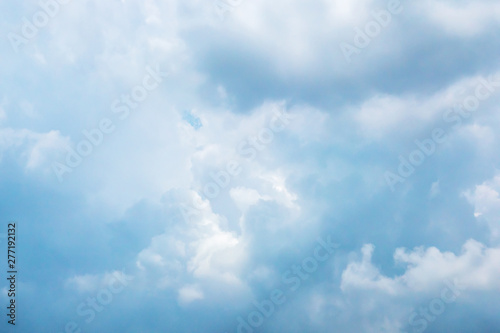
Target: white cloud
(246,197)
(199,249)
(92,282)
(464,18)
(435,189)
(37,150)
(45,149)
(385,115)
(486,201)
(476,268)
(364,275)
(189,294)
(84,283)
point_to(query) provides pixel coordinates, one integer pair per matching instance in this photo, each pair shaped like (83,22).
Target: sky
(251,166)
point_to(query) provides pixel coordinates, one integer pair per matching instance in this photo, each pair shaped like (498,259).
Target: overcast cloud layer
(252,166)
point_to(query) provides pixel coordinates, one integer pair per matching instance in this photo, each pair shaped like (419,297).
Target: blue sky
(187,166)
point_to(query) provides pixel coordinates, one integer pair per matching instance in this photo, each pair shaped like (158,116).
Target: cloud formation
(261,138)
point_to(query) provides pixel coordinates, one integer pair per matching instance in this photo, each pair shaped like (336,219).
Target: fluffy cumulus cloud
(475,268)
(252,166)
(486,201)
